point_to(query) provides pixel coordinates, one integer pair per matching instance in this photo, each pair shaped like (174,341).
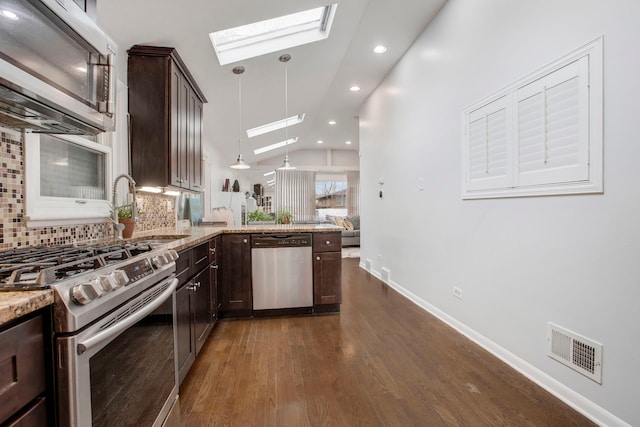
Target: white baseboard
(589,409)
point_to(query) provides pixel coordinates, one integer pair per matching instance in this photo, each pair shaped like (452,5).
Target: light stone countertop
(16,304)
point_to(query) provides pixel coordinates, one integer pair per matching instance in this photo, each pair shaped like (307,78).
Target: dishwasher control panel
(281,240)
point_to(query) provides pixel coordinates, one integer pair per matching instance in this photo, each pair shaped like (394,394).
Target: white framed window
(540,136)
(68,180)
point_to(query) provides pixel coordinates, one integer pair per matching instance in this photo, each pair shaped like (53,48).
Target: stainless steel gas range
(114,327)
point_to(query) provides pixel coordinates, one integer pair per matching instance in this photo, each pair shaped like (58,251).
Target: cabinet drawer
(183,267)
(327,242)
(200,255)
(22,376)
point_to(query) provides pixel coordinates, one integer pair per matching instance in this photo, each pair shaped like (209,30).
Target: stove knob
(83,294)
(120,278)
(173,255)
(108,282)
(159,260)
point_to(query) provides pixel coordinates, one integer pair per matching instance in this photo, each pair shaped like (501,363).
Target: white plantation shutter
(542,135)
(553,127)
(488,144)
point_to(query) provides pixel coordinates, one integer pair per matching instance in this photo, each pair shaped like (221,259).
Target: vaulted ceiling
(320,73)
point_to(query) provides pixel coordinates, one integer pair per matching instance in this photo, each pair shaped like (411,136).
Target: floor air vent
(577,352)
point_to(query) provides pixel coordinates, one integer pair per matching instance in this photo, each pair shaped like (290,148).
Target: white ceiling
(320,73)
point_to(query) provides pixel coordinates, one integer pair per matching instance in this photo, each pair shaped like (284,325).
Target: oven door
(122,369)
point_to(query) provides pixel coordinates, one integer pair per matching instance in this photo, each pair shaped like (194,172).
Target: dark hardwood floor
(381,362)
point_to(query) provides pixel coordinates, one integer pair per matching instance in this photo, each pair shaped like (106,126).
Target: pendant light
(286,165)
(240,163)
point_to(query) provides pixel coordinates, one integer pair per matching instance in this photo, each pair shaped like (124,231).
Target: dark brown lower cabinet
(327,278)
(186,350)
(193,306)
(202,317)
(22,374)
(235,274)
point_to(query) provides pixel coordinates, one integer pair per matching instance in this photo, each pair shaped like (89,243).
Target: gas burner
(41,266)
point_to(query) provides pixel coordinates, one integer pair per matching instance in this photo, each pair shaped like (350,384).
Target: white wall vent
(386,273)
(367,264)
(577,352)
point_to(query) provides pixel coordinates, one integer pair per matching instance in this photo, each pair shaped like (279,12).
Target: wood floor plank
(382,361)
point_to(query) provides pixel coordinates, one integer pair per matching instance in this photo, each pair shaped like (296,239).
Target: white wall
(572,260)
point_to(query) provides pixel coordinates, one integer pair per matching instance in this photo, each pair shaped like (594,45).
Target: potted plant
(283,217)
(125,218)
(259,216)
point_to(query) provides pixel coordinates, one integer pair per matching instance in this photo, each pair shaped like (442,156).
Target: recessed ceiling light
(332,122)
(348,142)
(320,141)
(271,35)
(354,88)
(276,145)
(10,15)
(269,173)
(380,49)
(279,124)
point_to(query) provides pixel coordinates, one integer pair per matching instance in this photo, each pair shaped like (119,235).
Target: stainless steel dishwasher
(282,271)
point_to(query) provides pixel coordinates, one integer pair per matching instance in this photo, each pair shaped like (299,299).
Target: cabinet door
(236,272)
(202,307)
(327,278)
(214,250)
(183,128)
(176,135)
(195,155)
(186,352)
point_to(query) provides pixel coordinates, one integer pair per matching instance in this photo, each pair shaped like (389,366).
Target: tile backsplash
(158,211)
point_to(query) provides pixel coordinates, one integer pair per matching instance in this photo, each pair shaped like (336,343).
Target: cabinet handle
(81,202)
(212,250)
(244,240)
(317,258)
(328,242)
(197,285)
(215,267)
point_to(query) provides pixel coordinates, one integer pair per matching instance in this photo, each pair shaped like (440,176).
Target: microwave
(57,69)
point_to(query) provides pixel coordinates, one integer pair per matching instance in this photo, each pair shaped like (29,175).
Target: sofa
(351,228)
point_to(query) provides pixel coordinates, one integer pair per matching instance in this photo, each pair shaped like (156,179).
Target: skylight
(276,145)
(270,127)
(271,35)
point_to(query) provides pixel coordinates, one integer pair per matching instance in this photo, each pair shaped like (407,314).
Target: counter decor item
(283,217)
(124,217)
(236,186)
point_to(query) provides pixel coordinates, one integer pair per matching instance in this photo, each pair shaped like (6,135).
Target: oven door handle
(126,323)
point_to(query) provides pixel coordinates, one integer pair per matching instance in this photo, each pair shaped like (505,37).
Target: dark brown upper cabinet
(165,108)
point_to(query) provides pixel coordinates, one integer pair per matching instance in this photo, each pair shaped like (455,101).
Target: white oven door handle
(129,321)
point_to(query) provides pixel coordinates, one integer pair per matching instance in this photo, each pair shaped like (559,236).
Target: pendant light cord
(286,109)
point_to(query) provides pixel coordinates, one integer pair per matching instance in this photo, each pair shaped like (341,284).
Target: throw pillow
(339,221)
(347,224)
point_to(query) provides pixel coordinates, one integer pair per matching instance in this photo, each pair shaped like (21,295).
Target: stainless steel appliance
(282,271)
(57,69)
(114,321)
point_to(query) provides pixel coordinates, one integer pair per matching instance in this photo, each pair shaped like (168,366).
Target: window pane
(69,170)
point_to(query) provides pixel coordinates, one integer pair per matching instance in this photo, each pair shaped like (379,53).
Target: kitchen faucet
(134,211)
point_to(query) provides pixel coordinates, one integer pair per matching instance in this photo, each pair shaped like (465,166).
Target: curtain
(295,192)
(353,193)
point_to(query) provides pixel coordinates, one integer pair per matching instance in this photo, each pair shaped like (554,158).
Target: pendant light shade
(286,165)
(240,163)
